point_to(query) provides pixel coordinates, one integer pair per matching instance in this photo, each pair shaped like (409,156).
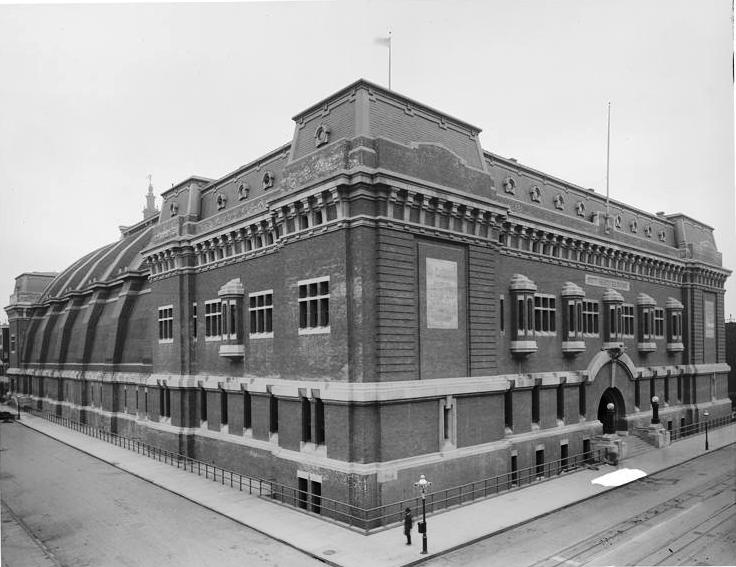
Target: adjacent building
(379,298)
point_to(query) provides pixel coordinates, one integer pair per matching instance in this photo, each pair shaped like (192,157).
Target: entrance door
(613,396)
(443,341)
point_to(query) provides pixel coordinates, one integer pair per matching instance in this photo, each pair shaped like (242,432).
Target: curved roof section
(102,265)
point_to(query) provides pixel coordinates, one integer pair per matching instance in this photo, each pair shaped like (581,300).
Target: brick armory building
(378,298)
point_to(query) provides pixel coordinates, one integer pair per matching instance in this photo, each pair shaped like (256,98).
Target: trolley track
(697,512)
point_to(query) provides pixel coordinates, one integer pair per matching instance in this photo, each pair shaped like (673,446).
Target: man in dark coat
(408,523)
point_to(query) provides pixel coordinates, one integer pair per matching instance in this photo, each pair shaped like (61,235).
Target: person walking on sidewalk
(408,523)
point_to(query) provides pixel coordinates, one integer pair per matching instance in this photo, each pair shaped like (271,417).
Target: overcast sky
(94,97)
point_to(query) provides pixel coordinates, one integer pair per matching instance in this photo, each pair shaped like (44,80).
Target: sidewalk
(342,547)
(19,547)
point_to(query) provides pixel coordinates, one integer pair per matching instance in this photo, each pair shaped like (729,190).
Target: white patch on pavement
(619,477)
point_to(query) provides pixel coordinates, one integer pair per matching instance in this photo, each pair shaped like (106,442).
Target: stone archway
(614,396)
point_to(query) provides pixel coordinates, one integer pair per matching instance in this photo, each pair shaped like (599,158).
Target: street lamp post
(611,426)
(423,484)
(655,410)
(705,415)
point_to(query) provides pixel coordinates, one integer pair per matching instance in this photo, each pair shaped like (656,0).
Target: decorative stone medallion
(536,194)
(243,190)
(662,235)
(618,221)
(509,185)
(221,202)
(268,179)
(580,208)
(634,226)
(559,201)
(174,209)
(321,135)
(648,231)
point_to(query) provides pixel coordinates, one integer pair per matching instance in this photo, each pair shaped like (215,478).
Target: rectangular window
(223,407)
(627,320)
(637,394)
(535,404)
(544,314)
(230,319)
(212,320)
(12,343)
(203,404)
(540,463)
(646,315)
(273,425)
(590,318)
(658,323)
(306,421)
(446,423)
(194,319)
(247,411)
(667,389)
(260,309)
(303,492)
(166,324)
(501,313)
(675,327)
(508,409)
(319,422)
(561,402)
(514,470)
(314,306)
(167,402)
(316,496)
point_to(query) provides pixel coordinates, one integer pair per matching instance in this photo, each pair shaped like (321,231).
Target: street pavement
(685,515)
(86,512)
(340,546)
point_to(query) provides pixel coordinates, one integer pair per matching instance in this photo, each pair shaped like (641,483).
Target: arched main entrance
(614,396)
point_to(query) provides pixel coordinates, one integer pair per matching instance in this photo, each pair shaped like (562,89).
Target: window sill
(213,339)
(646,346)
(232,351)
(675,347)
(523,347)
(166,341)
(573,347)
(256,336)
(314,331)
(313,448)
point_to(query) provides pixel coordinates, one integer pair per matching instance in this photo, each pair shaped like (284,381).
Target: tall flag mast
(608,169)
(387,42)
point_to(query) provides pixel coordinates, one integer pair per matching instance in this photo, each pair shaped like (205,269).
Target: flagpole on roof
(387,42)
(608,167)
(389,60)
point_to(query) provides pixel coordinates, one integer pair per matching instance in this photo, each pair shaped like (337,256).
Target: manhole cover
(329,552)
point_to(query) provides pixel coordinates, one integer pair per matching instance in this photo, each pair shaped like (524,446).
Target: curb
(537,517)
(412,563)
(172,491)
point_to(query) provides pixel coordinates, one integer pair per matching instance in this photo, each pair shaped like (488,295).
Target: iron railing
(363,519)
(699,427)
